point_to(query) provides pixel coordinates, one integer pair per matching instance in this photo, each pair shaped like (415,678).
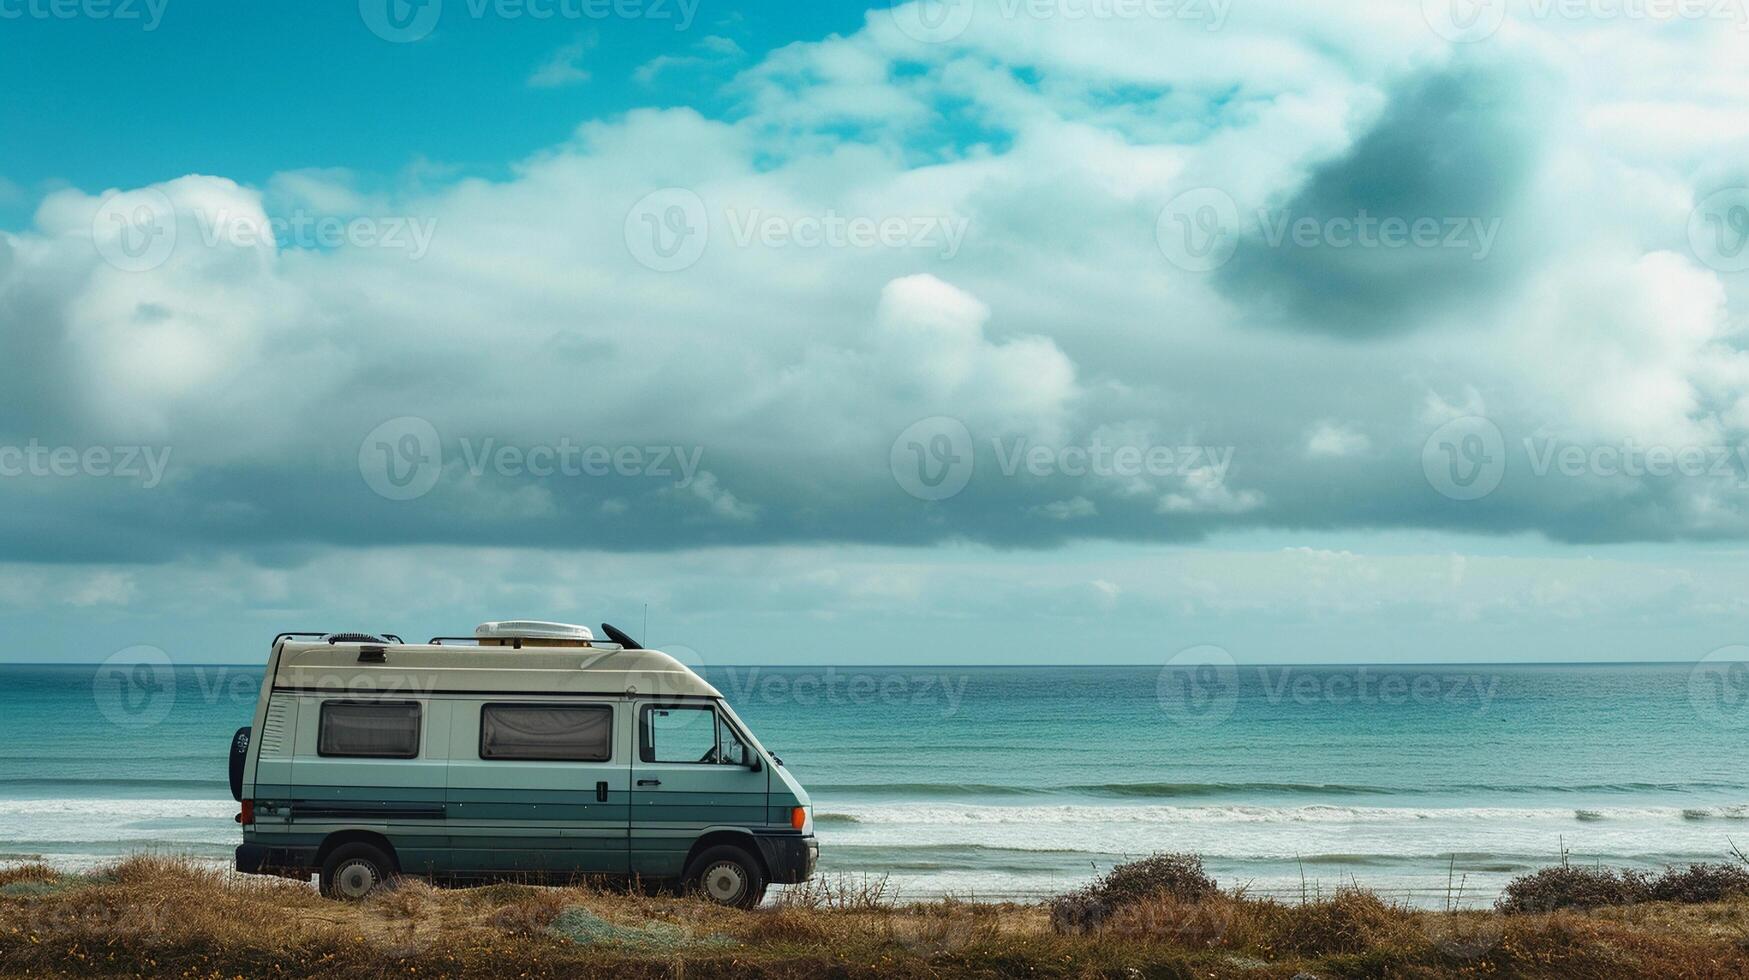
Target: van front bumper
(791,859)
(283,862)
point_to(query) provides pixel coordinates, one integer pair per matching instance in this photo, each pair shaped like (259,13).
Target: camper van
(529,752)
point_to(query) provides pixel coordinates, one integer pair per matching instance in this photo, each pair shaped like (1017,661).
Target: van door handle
(649,782)
(601,792)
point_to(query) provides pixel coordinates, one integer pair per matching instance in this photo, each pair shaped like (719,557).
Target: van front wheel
(727,876)
(353,871)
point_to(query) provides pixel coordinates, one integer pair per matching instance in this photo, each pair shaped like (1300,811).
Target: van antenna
(646,633)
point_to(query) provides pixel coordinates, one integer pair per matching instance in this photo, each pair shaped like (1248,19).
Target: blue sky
(1027,330)
(250,90)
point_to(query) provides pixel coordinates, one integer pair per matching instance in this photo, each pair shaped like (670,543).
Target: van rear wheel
(729,876)
(354,871)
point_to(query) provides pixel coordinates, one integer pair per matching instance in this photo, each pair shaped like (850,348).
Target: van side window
(369,729)
(546,732)
(689,733)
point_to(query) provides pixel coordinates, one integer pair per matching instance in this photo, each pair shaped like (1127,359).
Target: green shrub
(1700,883)
(1569,887)
(1178,876)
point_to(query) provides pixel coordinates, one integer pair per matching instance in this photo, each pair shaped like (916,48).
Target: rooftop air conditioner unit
(520,632)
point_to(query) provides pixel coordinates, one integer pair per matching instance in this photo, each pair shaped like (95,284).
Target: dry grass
(166,918)
(35,874)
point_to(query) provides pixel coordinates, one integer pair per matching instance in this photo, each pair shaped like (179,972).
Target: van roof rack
(333,637)
(518,642)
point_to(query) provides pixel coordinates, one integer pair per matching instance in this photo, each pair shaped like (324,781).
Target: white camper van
(529,751)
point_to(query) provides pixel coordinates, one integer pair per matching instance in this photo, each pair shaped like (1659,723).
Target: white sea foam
(1082,814)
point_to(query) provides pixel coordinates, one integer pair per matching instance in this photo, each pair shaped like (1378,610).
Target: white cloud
(1334,440)
(714,50)
(795,367)
(1068,510)
(564,66)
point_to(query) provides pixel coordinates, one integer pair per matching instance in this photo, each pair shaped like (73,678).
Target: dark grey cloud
(1452,151)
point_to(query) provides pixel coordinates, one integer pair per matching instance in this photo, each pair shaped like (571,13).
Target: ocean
(1431,785)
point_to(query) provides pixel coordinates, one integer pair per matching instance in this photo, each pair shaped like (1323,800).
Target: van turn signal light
(798,817)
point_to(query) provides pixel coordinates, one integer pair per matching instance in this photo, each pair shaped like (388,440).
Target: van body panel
(551,817)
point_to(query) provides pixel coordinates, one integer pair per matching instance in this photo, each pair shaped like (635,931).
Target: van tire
(354,871)
(727,875)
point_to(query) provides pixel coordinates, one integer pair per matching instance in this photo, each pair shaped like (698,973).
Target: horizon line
(1051,666)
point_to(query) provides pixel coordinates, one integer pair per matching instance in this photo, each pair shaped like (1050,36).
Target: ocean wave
(959,813)
(120,811)
(1193,790)
(112,782)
